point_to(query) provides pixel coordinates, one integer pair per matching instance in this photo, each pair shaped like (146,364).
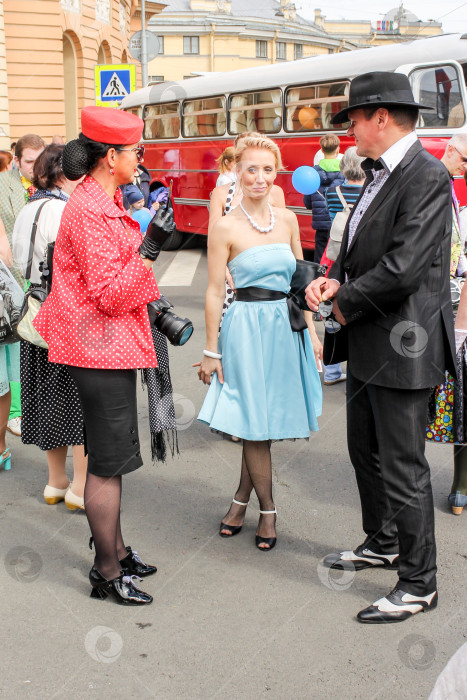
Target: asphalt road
(227,620)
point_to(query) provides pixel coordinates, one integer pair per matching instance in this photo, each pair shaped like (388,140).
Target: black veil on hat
(378,89)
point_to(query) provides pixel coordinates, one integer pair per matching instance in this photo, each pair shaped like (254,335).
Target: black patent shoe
(269,541)
(132,564)
(122,589)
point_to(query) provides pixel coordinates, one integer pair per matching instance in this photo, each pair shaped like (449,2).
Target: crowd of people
(389,229)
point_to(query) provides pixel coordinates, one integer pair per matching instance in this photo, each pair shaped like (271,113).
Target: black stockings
(256,473)
(102,497)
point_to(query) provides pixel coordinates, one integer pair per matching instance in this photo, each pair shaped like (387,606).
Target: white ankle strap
(268,512)
(239,503)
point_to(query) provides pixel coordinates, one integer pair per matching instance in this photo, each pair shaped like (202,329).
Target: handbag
(305,272)
(34,297)
(11,300)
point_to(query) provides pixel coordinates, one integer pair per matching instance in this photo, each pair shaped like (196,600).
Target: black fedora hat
(378,89)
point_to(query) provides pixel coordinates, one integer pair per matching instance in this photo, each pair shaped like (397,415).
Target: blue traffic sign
(113,83)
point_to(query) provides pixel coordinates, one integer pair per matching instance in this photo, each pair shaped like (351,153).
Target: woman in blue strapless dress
(264,382)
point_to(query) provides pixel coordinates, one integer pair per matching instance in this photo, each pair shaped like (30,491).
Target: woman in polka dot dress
(52,417)
(95,321)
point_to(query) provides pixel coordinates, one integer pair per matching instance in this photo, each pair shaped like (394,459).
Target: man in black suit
(390,286)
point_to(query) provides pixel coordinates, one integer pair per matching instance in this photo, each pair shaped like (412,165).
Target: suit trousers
(386,440)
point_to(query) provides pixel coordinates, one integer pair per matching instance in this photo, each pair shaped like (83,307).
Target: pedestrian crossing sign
(113,83)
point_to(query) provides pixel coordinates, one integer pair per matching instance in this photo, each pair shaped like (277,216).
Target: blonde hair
(227,156)
(245,135)
(259,141)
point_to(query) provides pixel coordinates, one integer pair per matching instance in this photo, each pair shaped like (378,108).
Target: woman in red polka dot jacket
(95,320)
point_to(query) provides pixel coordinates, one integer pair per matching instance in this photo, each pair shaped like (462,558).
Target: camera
(177,330)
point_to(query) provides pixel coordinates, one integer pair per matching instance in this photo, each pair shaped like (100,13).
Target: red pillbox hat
(107,125)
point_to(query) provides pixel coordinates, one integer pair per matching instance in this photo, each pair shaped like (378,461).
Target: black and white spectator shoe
(397,607)
(361,558)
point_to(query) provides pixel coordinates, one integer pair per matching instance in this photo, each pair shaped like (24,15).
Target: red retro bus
(189,123)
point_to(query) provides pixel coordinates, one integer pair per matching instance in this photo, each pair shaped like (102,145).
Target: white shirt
(393,156)
(390,159)
(47,229)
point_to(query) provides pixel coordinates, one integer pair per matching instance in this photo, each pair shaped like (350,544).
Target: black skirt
(108,400)
(51,409)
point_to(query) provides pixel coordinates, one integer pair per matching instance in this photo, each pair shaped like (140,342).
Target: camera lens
(177,330)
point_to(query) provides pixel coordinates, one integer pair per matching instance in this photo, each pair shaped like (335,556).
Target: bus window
(204,117)
(135,110)
(162,121)
(311,107)
(438,87)
(256,111)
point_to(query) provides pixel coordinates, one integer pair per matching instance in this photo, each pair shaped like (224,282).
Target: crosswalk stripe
(181,270)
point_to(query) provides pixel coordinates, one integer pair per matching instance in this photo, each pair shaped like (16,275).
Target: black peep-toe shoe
(122,589)
(269,541)
(132,564)
(232,529)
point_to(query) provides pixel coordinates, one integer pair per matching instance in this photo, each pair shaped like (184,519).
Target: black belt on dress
(297,321)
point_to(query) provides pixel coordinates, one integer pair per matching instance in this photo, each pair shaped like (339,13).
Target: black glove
(161,226)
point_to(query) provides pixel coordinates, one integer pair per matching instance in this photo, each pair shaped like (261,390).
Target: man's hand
(338,313)
(320,290)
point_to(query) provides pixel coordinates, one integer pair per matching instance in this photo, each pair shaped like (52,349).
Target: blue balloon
(143,217)
(306,179)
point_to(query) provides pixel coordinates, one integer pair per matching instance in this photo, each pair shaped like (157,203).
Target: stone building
(398,24)
(47,56)
(198,36)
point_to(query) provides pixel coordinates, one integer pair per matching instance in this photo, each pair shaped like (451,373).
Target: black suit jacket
(396,299)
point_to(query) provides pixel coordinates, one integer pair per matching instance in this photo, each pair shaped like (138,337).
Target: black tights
(102,496)
(256,473)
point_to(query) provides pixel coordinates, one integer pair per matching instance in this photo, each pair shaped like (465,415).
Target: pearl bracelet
(214,355)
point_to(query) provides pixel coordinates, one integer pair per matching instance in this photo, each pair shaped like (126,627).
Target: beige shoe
(53,495)
(73,502)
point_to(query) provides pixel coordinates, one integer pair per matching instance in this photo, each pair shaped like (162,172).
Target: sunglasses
(325,311)
(139,150)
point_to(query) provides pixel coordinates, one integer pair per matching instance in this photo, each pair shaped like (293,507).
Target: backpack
(337,228)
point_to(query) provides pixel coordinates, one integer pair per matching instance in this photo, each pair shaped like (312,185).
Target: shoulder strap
(33,239)
(344,202)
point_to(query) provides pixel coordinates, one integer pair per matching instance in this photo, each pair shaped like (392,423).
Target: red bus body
(191,161)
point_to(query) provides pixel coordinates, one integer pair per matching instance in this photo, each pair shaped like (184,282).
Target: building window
(297,51)
(161,44)
(191,44)
(281,51)
(155,78)
(261,49)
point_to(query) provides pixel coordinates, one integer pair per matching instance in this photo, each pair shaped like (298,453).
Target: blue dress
(271,389)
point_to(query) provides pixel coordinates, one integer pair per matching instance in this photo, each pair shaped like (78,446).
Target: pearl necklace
(255,225)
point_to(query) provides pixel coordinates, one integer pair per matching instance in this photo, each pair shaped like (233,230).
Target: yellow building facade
(198,36)
(48,51)
(398,24)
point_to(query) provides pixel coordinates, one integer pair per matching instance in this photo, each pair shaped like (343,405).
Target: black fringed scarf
(162,423)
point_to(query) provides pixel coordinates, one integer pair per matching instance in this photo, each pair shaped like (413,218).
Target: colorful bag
(440,429)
